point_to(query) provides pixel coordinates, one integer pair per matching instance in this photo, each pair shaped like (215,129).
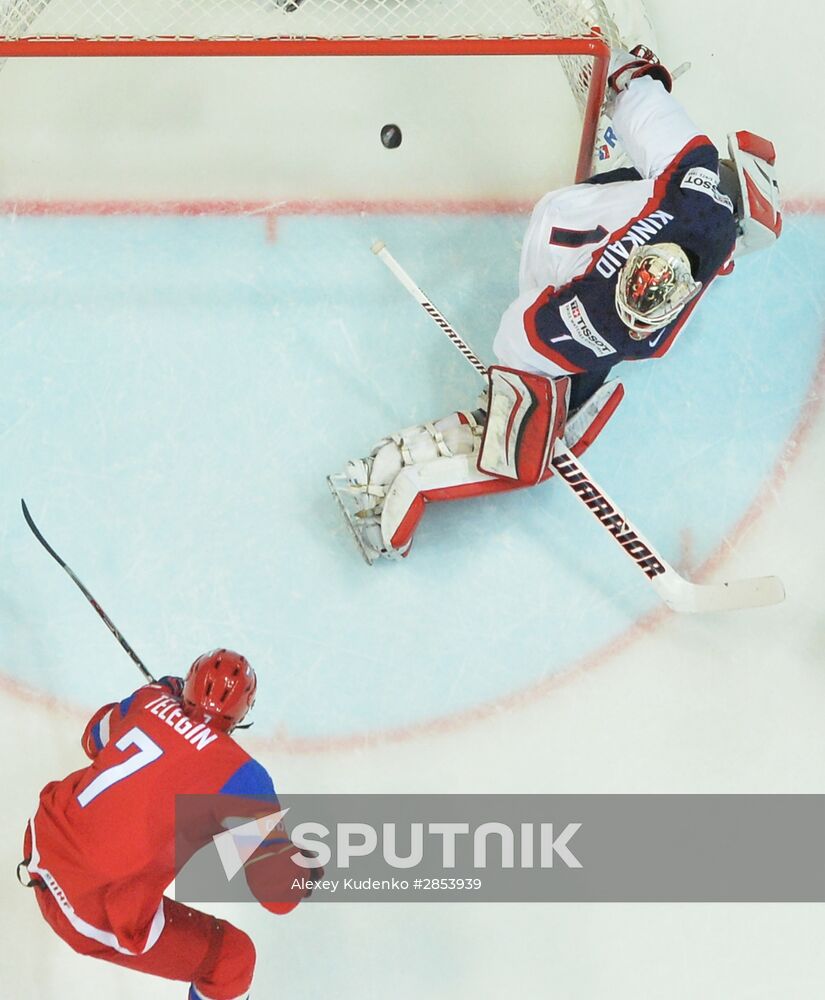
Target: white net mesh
(300,18)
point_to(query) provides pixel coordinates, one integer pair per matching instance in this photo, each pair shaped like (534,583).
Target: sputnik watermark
(500,848)
(538,844)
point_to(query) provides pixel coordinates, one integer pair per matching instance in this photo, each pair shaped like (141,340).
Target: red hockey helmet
(222,685)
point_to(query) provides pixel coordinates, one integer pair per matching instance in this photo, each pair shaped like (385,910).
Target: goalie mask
(654,286)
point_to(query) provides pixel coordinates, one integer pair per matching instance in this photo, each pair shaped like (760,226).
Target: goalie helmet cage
(579,32)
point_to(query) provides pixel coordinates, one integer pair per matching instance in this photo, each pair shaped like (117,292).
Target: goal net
(50,103)
(578,32)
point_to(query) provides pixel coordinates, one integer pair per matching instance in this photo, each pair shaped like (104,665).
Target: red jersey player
(100,849)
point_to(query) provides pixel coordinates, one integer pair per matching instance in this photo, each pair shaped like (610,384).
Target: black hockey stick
(106,619)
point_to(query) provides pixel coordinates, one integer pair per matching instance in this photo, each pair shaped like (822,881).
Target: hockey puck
(391,136)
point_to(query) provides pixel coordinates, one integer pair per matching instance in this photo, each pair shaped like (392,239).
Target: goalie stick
(106,619)
(678,593)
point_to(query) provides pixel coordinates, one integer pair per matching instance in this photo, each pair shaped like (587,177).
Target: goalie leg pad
(370,478)
(526,415)
(362,489)
(456,478)
(386,528)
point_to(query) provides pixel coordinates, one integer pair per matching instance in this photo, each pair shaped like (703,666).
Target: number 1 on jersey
(148,751)
(576,238)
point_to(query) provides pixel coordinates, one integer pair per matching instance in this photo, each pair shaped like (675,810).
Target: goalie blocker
(749,179)
(506,445)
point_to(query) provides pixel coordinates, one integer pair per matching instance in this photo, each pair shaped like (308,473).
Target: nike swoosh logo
(653,343)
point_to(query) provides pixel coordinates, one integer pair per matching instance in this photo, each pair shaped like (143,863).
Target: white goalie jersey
(564,321)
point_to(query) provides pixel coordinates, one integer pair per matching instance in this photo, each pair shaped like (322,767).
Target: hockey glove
(628,66)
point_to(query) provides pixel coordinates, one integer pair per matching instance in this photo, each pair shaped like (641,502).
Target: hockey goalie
(611,270)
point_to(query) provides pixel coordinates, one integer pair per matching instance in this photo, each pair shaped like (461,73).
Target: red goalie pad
(526,414)
(459,477)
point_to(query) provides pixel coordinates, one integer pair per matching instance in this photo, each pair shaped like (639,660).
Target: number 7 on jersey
(148,751)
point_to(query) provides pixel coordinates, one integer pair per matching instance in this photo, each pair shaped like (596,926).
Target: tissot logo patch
(706,182)
(582,330)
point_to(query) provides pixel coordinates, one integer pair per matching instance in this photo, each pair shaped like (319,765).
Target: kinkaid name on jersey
(169,709)
(641,233)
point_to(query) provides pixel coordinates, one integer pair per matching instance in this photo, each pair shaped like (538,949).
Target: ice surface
(182,386)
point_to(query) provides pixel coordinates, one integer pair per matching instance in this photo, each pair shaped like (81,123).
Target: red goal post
(578,32)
